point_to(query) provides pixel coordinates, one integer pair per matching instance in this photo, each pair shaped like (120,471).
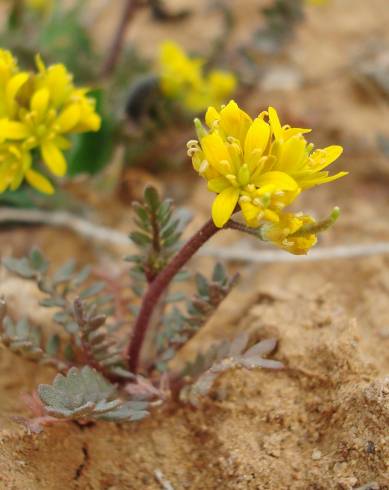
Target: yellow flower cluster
(316,2)
(39,6)
(37,113)
(260,166)
(44,6)
(183,79)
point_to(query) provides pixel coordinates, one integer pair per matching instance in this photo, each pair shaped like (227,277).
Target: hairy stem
(233,225)
(116,47)
(158,286)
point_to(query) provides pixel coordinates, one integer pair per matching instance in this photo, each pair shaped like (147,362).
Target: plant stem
(118,41)
(233,225)
(158,286)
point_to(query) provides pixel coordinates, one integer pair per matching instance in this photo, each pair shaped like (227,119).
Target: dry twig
(237,252)
(162,480)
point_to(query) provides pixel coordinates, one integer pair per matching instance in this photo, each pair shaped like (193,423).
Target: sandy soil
(322,422)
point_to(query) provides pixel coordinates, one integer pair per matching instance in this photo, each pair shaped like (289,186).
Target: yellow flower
(182,78)
(260,166)
(15,165)
(316,2)
(284,234)
(41,6)
(38,111)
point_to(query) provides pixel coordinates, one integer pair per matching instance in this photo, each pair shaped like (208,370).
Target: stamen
(278,205)
(192,151)
(231,178)
(244,199)
(204,165)
(226,164)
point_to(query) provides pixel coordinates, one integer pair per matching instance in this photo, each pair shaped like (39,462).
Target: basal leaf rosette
(38,112)
(261,167)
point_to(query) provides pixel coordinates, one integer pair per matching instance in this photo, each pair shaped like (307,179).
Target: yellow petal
(215,151)
(322,158)
(257,138)
(222,84)
(271,216)
(275,123)
(40,102)
(333,153)
(69,118)
(17,179)
(290,132)
(62,143)
(218,184)
(252,214)
(54,159)
(279,180)
(39,63)
(12,130)
(321,179)
(292,154)
(235,122)
(39,182)
(224,205)
(14,85)
(211,117)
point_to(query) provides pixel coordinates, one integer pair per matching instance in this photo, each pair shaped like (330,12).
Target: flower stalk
(116,47)
(159,285)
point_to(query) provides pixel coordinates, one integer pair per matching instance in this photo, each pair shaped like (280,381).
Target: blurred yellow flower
(38,111)
(316,2)
(183,79)
(260,166)
(40,6)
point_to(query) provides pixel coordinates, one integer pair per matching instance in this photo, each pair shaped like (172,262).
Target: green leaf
(182,275)
(61,317)
(65,273)
(219,273)
(19,266)
(172,240)
(96,288)
(66,40)
(82,276)
(175,297)
(69,353)
(86,394)
(38,261)
(164,212)
(22,338)
(167,231)
(53,345)
(141,212)
(52,302)
(151,198)
(72,327)
(140,238)
(202,285)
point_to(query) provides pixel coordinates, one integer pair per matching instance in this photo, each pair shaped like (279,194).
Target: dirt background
(322,423)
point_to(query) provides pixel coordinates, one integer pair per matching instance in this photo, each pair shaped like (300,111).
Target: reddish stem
(116,47)
(158,286)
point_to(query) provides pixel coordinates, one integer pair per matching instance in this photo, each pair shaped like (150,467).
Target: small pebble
(316,455)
